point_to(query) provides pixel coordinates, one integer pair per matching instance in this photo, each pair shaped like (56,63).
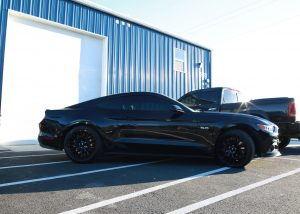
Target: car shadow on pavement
(290,150)
(149,175)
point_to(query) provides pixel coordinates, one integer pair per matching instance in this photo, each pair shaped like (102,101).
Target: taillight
(292,110)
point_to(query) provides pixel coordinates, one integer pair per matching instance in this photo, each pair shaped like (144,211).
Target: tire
(283,143)
(235,148)
(82,144)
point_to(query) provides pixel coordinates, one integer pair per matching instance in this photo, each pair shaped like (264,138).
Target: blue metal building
(139,57)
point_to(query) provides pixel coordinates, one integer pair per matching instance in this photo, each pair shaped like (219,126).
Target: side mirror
(177,109)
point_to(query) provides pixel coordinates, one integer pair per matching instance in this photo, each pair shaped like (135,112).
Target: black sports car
(152,123)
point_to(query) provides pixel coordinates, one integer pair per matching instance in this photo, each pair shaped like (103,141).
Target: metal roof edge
(139,22)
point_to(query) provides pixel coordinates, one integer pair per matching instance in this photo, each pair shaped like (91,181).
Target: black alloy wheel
(82,144)
(283,142)
(235,148)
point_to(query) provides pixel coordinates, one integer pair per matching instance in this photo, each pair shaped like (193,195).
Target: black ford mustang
(149,122)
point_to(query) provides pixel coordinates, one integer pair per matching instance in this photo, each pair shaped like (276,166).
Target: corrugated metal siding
(139,58)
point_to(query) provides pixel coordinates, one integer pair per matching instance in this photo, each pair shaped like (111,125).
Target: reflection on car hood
(228,116)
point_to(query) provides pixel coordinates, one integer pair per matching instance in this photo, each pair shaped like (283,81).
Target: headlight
(272,129)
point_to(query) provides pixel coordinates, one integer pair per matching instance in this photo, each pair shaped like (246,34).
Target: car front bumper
(273,150)
(266,143)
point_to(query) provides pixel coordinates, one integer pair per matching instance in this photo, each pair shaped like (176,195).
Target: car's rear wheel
(235,148)
(284,142)
(82,144)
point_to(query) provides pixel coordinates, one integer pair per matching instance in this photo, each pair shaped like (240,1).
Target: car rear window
(230,96)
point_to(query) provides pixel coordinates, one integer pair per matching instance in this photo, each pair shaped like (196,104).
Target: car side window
(135,103)
(113,103)
(206,97)
(148,103)
(154,105)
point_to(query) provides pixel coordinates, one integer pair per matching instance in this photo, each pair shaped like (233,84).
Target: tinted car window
(112,103)
(135,103)
(189,100)
(209,96)
(153,104)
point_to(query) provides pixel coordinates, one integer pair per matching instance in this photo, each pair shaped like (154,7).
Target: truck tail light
(292,110)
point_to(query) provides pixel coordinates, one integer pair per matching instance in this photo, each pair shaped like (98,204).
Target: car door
(154,121)
(111,114)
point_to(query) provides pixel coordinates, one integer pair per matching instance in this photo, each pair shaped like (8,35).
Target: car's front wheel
(235,148)
(82,144)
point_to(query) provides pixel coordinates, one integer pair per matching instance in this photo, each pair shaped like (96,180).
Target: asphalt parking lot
(45,181)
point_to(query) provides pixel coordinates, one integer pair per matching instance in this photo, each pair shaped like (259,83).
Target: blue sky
(255,43)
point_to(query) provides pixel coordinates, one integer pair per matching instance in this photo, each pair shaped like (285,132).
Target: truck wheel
(82,144)
(235,148)
(283,142)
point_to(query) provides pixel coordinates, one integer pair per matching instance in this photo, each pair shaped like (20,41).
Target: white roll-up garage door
(47,66)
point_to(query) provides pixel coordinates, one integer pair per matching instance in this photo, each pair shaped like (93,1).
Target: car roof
(88,102)
(135,93)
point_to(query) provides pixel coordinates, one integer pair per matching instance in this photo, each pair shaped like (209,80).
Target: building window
(179,60)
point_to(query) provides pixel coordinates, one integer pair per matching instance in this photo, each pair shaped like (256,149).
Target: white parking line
(76,174)
(209,201)
(142,192)
(29,165)
(25,156)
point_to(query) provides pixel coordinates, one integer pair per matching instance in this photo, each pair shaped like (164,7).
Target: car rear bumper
(290,130)
(49,142)
(49,136)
